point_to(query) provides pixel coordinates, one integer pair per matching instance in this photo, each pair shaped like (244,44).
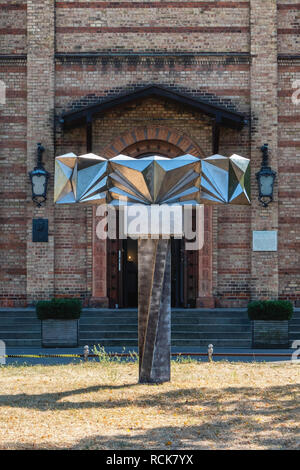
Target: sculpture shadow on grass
(165,400)
(249,415)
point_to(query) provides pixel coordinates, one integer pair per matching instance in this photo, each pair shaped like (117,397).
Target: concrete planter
(270,334)
(59,333)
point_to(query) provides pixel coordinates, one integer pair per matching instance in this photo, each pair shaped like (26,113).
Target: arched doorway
(122,259)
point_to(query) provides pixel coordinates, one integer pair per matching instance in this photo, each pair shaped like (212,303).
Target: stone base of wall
(99,302)
(231,303)
(270,334)
(13,303)
(205,302)
(60,333)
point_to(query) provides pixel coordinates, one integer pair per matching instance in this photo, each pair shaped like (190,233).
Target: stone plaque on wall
(264,240)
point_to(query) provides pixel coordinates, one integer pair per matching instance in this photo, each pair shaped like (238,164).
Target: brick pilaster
(99,270)
(205,297)
(264,85)
(40,128)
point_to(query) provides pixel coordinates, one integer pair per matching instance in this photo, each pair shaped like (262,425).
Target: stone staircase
(109,328)
(190,327)
(294,326)
(20,327)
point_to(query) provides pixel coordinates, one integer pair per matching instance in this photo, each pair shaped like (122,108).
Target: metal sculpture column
(154,310)
(153,180)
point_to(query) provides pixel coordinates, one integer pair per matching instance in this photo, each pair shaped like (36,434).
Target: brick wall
(289,170)
(13,168)
(13,29)
(233,53)
(177,25)
(288,150)
(288,26)
(13,122)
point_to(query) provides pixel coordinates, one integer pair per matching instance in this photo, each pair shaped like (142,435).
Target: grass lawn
(100,406)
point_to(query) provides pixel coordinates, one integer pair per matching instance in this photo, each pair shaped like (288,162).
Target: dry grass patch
(100,406)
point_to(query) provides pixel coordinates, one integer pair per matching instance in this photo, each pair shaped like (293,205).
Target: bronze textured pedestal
(154,311)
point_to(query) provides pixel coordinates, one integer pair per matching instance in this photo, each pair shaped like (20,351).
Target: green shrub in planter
(58,309)
(270,310)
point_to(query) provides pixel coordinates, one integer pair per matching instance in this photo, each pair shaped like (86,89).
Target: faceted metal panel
(152,180)
(225,180)
(63,190)
(80,179)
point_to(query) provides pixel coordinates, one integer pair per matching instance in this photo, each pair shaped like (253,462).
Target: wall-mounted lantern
(265,177)
(39,179)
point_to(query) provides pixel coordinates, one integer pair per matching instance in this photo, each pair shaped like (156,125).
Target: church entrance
(130,273)
(121,255)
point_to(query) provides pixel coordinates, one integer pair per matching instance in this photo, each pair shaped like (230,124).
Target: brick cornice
(151,58)
(159,4)
(155,58)
(167,57)
(11,59)
(288,59)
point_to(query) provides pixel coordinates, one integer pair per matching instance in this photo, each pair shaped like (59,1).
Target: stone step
(108,325)
(174,316)
(180,343)
(113,314)
(23,343)
(174,328)
(109,334)
(209,335)
(18,313)
(18,317)
(108,320)
(294,334)
(123,342)
(19,322)
(19,327)
(237,343)
(175,321)
(175,335)
(5,335)
(175,312)
(108,310)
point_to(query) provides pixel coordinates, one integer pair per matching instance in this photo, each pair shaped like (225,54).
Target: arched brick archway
(151,139)
(154,146)
(168,142)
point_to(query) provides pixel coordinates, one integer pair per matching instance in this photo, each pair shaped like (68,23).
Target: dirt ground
(96,405)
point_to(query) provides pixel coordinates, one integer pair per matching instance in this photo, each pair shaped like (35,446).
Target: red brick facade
(58,56)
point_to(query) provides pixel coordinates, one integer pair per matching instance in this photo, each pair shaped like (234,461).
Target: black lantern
(39,179)
(265,177)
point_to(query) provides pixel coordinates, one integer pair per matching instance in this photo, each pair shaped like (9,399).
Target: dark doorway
(130,273)
(122,274)
(129,297)
(177,273)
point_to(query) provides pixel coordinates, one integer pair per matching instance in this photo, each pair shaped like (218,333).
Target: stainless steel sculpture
(91,179)
(149,180)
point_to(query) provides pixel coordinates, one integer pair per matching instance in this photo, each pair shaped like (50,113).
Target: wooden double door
(122,274)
